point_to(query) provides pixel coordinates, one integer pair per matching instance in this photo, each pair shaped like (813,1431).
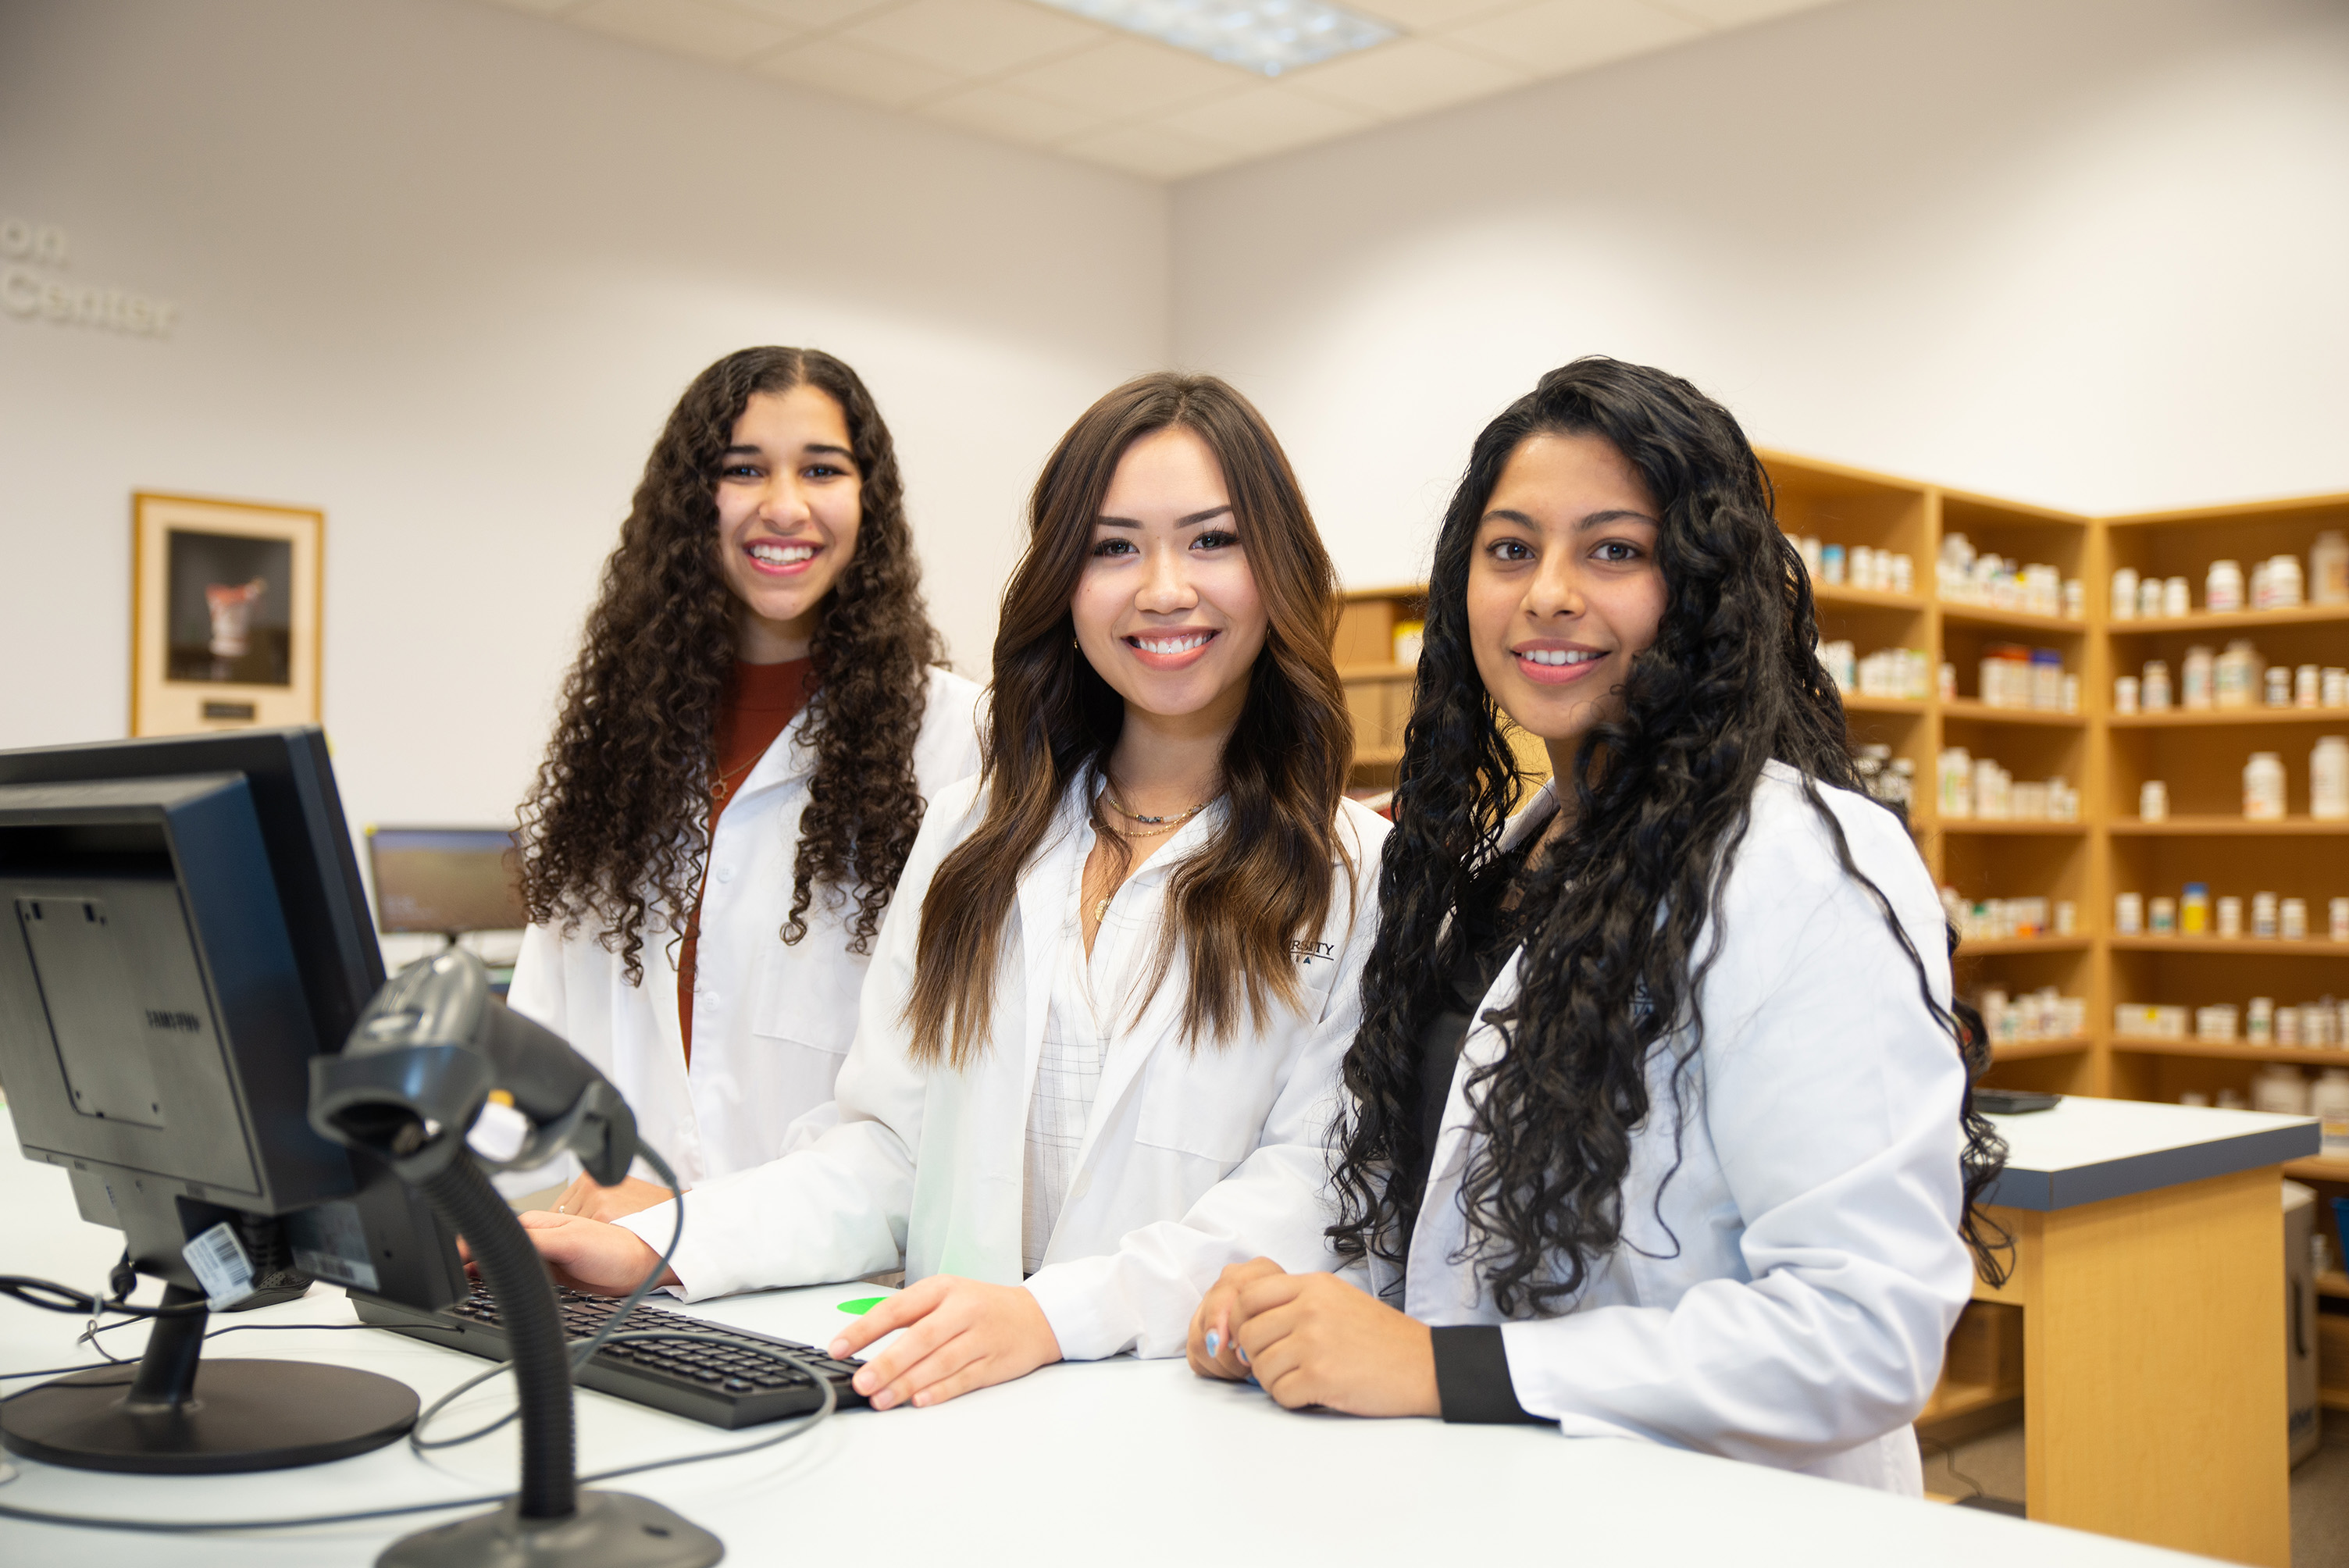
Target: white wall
(2093,253)
(442,271)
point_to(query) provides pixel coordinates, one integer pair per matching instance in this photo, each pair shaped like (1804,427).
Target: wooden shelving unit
(2229,718)
(2199,756)
(2025,1050)
(2218,827)
(2244,946)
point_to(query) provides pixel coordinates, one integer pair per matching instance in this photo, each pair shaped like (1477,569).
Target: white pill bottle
(2328,1101)
(2328,779)
(2263,788)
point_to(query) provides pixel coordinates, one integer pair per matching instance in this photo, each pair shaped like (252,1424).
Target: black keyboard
(724,1384)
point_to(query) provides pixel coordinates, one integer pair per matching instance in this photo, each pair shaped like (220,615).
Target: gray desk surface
(2086,1150)
(1132,1462)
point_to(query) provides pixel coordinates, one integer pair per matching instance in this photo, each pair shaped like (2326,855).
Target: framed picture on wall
(224,613)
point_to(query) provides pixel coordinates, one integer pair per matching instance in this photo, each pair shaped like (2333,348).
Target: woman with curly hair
(1099,1048)
(747,740)
(1659,1125)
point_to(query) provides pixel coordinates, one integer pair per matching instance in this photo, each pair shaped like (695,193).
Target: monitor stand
(176,1414)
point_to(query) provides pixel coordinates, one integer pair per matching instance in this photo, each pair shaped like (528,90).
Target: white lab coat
(772,1021)
(1193,1160)
(1789,1304)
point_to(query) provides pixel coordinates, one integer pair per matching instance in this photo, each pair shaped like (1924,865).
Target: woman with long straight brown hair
(1099,1063)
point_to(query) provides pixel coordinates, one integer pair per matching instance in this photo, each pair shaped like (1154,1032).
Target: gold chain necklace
(1161,825)
(1147,832)
(1176,820)
(718,791)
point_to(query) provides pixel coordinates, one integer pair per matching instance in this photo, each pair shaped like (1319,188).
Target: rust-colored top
(761,700)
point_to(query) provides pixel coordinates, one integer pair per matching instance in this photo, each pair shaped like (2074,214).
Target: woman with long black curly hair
(1659,1125)
(748,739)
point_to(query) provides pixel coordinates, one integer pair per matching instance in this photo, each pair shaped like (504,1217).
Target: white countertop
(1125,1461)
(2085,1150)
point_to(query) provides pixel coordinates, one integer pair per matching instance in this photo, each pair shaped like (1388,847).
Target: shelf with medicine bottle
(2017,717)
(2228,634)
(2017,867)
(1868,543)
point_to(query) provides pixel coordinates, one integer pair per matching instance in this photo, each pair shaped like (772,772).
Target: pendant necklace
(718,791)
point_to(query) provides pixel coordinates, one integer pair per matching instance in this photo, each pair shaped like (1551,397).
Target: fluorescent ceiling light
(1267,36)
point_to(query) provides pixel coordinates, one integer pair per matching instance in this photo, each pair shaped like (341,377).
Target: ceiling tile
(1000,112)
(851,71)
(1429,15)
(684,27)
(1130,77)
(1556,36)
(809,15)
(1264,119)
(975,37)
(1025,73)
(1148,150)
(1408,77)
(1737,12)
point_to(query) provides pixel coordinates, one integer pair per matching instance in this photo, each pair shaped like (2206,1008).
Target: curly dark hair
(616,824)
(1662,799)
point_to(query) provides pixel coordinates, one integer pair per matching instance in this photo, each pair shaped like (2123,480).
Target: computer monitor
(181,929)
(448,880)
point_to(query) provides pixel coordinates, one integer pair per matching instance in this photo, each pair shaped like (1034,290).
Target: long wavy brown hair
(618,825)
(1265,880)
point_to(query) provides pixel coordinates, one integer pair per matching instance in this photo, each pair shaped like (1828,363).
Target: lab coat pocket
(1211,1101)
(807,994)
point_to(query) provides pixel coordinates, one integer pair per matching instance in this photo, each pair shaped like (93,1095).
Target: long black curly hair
(1662,798)
(617,824)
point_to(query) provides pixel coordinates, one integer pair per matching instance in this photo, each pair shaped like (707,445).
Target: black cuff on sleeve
(1471,1375)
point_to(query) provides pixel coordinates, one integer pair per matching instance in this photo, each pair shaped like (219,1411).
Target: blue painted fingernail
(1242,1353)
(1215,1342)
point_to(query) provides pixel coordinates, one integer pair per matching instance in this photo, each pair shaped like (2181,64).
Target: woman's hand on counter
(960,1335)
(1312,1339)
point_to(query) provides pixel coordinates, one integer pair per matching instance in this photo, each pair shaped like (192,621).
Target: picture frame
(226,614)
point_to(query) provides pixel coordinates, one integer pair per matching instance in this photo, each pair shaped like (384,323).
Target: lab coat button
(725,873)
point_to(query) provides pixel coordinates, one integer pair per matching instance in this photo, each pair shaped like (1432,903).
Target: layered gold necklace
(1151,828)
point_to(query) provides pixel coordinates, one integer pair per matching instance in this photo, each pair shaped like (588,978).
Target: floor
(1991,1466)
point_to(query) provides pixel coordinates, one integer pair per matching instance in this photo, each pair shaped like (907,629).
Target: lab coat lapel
(1535,813)
(785,761)
(1140,1032)
(1048,896)
(1131,1047)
